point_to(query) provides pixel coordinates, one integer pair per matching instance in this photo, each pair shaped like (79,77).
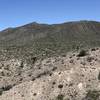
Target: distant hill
(39,39)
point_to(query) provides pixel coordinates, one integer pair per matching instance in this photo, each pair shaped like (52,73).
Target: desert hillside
(49,40)
(50,62)
(74,76)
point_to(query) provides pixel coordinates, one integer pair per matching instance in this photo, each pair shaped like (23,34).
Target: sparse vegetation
(89,59)
(33,59)
(93,49)
(52,42)
(54,83)
(60,86)
(60,97)
(99,76)
(35,94)
(82,53)
(22,64)
(71,61)
(54,68)
(92,95)
(30,43)
(5,88)
(1,91)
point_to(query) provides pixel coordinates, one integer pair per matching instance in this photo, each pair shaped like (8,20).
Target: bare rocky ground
(74,76)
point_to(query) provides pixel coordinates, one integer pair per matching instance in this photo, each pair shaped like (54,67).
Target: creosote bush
(82,53)
(5,88)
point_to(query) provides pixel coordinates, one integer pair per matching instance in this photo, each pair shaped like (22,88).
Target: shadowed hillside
(43,39)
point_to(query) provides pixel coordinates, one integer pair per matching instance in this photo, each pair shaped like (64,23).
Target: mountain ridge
(37,23)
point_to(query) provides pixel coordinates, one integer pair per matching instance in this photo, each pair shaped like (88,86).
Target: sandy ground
(68,77)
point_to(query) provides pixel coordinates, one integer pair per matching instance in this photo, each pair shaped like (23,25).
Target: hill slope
(51,39)
(71,77)
(27,72)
